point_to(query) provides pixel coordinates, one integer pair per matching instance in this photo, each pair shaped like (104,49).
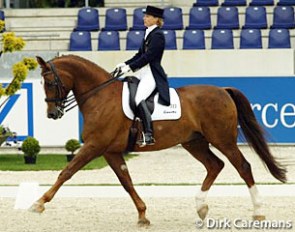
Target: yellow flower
(8,41)
(2,25)
(19,43)
(20,71)
(2,90)
(12,43)
(31,63)
(13,87)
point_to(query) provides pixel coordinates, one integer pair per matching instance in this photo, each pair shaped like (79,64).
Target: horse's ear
(41,62)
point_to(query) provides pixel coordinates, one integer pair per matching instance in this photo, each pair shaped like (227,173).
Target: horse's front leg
(117,163)
(83,157)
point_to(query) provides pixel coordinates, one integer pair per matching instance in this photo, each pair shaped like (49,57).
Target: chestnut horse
(210,115)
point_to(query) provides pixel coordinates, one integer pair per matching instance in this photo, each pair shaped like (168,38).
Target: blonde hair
(160,22)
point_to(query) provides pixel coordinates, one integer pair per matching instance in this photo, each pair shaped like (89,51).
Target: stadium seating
(222,39)
(206,3)
(2,17)
(108,41)
(193,39)
(286,3)
(283,17)
(255,17)
(80,41)
(234,3)
(138,14)
(261,3)
(134,39)
(172,18)
(170,39)
(115,20)
(199,18)
(279,38)
(227,18)
(88,19)
(250,39)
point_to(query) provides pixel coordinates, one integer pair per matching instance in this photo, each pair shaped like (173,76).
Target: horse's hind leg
(235,156)
(200,150)
(117,163)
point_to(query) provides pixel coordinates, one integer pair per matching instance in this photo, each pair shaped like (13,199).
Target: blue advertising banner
(16,111)
(272,99)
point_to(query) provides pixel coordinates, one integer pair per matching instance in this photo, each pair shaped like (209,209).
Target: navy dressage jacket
(151,52)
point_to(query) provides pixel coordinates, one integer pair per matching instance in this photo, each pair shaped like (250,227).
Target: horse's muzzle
(55,114)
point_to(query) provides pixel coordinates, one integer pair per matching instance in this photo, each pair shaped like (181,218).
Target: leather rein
(65,103)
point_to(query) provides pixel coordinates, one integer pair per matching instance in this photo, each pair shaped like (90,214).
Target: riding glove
(121,65)
(125,69)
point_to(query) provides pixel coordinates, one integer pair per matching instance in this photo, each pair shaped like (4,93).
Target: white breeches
(146,85)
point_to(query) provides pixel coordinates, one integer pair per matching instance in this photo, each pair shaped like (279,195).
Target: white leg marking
(256,200)
(201,199)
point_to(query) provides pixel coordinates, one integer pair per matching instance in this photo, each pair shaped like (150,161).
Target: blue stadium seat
(80,41)
(193,39)
(261,3)
(88,19)
(199,18)
(108,41)
(115,20)
(286,3)
(170,39)
(222,39)
(138,14)
(134,39)
(206,3)
(279,38)
(172,18)
(250,39)
(2,17)
(255,17)
(283,17)
(227,18)
(234,3)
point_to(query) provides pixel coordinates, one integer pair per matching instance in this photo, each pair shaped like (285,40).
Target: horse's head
(56,87)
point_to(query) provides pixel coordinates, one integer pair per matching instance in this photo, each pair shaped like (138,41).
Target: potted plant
(72,145)
(31,148)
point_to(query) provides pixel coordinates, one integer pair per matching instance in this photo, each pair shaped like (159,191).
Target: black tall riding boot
(146,118)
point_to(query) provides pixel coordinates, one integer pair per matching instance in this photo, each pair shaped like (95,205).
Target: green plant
(4,134)
(31,147)
(72,145)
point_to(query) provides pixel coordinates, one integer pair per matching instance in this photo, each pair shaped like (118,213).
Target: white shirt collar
(148,30)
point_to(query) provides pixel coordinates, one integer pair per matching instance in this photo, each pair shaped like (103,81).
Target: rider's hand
(121,65)
(125,69)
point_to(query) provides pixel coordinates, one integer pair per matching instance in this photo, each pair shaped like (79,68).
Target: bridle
(60,99)
(65,103)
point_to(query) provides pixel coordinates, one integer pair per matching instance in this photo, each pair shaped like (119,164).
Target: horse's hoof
(258,217)
(143,222)
(37,208)
(203,211)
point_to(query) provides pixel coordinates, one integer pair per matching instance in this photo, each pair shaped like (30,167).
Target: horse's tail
(255,135)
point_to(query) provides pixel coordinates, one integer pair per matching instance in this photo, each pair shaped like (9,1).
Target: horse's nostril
(51,115)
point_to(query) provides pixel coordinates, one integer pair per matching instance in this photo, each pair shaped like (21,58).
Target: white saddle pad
(161,112)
